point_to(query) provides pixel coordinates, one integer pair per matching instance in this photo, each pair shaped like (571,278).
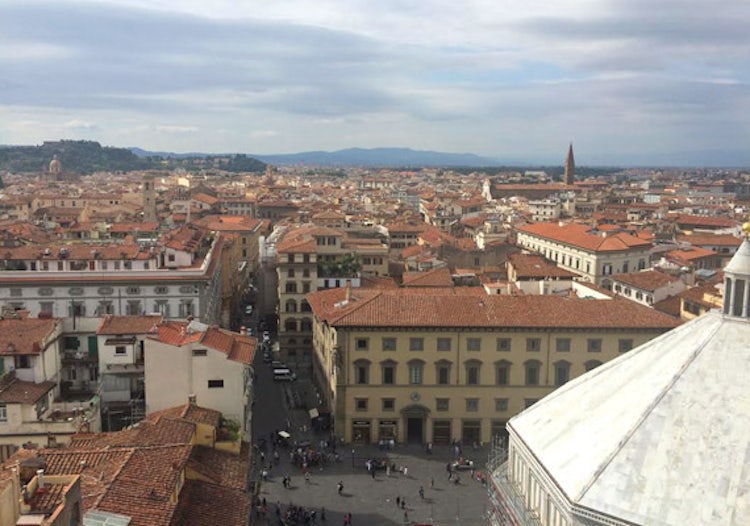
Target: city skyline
(627,82)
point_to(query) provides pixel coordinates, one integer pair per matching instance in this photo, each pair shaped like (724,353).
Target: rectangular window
(360,404)
(444,372)
(16,292)
(503,345)
(474,344)
(442,404)
(502,374)
(22,362)
(200,352)
(625,344)
(389,404)
(362,344)
(361,374)
(415,373)
(3,413)
(216,384)
(120,350)
(71,342)
(472,375)
(416,344)
(290,273)
(389,344)
(533,344)
(472,404)
(594,345)
(501,405)
(389,375)
(46,307)
(562,345)
(532,374)
(443,344)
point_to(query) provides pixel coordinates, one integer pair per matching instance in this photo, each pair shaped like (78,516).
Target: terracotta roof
(471,307)
(670,305)
(529,266)
(688,254)
(649,280)
(147,433)
(726,240)
(189,412)
(581,236)
(227,223)
(21,392)
(237,347)
(705,221)
(25,336)
(99,468)
(144,485)
(112,325)
(439,277)
(205,504)
(219,467)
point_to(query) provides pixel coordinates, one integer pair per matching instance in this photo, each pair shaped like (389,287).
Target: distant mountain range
(405,157)
(395,157)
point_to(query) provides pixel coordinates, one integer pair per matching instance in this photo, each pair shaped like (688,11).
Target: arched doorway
(415,418)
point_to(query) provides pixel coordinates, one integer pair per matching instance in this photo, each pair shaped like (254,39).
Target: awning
(284,434)
(314,413)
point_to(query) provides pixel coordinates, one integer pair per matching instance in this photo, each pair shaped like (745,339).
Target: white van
(283,375)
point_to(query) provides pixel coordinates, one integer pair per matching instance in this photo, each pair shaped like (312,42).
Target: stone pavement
(373,501)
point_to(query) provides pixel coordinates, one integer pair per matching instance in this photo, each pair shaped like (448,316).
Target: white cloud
(497,77)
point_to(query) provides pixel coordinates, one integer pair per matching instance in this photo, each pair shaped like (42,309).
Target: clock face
(415,396)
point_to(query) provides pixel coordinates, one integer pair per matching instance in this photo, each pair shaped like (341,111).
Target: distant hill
(394,157)
(85,157)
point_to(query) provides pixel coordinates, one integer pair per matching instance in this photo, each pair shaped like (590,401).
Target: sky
(628,82)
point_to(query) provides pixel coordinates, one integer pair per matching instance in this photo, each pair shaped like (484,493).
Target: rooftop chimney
(348,290)
(192,399)
(40,478)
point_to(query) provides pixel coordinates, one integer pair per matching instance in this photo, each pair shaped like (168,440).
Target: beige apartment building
(438,365)
(591,253)
(312,258)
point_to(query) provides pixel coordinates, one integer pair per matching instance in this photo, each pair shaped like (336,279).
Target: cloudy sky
(627,81)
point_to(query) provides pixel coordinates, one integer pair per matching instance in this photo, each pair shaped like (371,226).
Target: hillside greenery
(86,157)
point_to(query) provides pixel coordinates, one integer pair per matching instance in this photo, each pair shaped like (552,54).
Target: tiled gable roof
(235,346)
(143,488)
(219,467)
(581,236)
(649,280)
(21,392)
(205,504)
(24,335)
(113,325)
(528,266)
(471,307)
(439,277)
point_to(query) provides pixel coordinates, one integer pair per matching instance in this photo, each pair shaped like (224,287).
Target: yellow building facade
(456,364)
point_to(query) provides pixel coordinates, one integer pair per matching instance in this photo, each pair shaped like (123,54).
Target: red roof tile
(25,336)
(113,325)
(581,236)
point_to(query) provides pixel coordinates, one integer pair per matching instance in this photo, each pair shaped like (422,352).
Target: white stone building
(659,435)
(193,359)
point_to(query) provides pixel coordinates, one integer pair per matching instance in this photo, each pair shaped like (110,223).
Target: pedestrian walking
(421,492)
(387,470)
(406,472)
(403,503)
(449,469)
(398,501)
(432,483)
(406,517)
(340,486)
(349,517)
(307,478)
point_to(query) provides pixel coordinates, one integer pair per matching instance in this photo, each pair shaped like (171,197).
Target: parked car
(266,336)
(249,310)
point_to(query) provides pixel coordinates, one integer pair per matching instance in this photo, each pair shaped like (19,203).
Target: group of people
(299,515)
